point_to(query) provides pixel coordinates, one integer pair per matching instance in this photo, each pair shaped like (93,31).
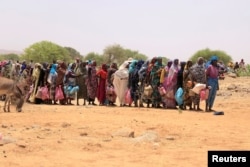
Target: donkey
(11,89)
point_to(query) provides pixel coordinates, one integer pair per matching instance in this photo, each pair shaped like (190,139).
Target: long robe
(121,84)
(171,87)
(91,82)
(81,72)
(101,90)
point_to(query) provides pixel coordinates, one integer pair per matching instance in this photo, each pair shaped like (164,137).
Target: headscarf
(214,58)
(53,69)
(104,67)
(132,66)
(169,64)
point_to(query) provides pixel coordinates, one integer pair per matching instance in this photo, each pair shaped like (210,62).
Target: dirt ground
(77,136)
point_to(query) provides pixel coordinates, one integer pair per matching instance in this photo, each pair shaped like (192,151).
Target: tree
(165,60)
(11,56)
(94,57)
(207,54)
(135,55)
(74,53)
(114,53)
(117,54)
(46,51)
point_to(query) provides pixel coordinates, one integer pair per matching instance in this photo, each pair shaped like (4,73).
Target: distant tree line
(46,51)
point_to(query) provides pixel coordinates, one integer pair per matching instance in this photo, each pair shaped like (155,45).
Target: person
(236,66)
(101,89)
(91,82)
(52,82)
(36,82)
(187,85)
(121,81)
(180,75)
(70,87)
(61,71)
(242,63)
(179,92)
(212,74)
(198,75)
(133,84)
(164,80)
(171,85)
(81,72)
(110,94)
(155,82)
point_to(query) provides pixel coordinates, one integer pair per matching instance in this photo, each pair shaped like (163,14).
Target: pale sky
(170,28)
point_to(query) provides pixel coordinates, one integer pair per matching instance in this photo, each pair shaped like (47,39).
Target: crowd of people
(133,83)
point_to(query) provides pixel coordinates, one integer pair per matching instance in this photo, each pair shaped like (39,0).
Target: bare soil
(76,136)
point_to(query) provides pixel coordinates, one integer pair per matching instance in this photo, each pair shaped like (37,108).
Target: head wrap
(214,58)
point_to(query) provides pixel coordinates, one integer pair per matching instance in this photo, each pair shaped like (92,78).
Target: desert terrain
(78,136)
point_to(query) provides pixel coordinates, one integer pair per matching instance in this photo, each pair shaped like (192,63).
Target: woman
(121,82)
(171,85)
(91,82)
(198,75)
(187,85)
(212,74)
(70,87)
(101,90)
(61,71)
(81,72)
(36,81)
(110,94)
(155,82)
(52,82)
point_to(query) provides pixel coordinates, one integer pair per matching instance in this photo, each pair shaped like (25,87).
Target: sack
(39,93)
(198,87)
(45,93)
(204,94)
(179,96)
(148,90)
(162,91)
(59,93)
(128,99)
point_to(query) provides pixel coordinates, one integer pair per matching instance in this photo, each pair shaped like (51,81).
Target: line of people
(134,83)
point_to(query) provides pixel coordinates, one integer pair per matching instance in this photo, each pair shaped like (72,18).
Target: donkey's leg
(9,100)
(5,102)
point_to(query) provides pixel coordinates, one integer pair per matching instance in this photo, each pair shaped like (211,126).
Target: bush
(243,72)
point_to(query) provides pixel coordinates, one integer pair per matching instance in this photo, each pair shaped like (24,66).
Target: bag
(162,91)
(45,93)
(59,93)
(198,87)
(204,94)
(128,99)
(39,93)
(179,96)
(148,90)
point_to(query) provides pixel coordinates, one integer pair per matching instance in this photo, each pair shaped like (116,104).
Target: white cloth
(121,84)
(198,87)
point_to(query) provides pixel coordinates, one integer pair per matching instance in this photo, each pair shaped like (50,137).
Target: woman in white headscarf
(121,82)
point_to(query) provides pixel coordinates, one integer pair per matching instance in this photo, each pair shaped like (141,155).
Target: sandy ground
(77,136)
